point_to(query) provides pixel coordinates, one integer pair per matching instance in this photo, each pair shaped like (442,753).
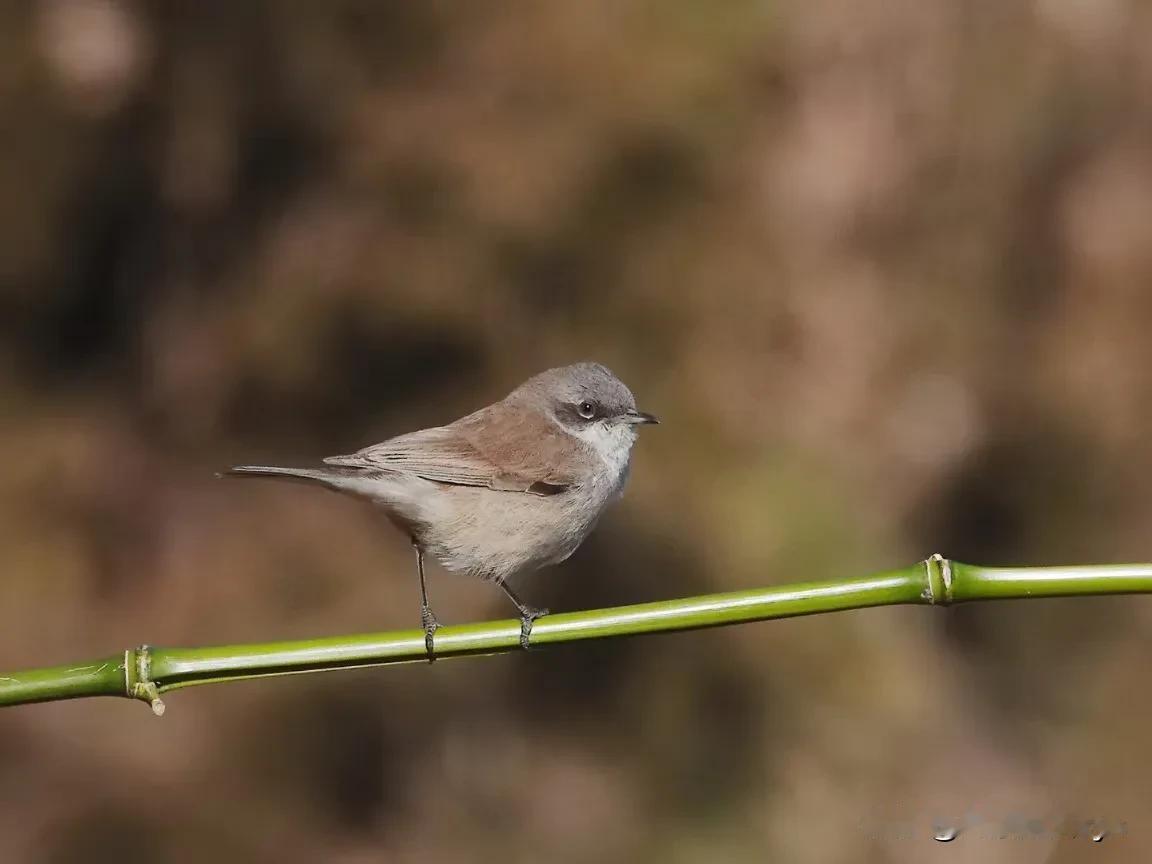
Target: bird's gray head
(582,395)
(588,401)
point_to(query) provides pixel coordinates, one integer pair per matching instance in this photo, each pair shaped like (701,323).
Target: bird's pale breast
(494,534)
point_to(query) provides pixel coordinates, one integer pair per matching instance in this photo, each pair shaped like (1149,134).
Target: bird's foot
(528,616)
(431,625)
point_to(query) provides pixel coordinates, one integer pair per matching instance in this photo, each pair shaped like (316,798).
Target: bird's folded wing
(505,455)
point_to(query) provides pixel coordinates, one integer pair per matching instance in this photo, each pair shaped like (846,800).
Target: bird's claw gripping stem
(528,617)
(431,625)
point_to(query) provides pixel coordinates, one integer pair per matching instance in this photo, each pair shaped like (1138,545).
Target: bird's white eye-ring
(586,410)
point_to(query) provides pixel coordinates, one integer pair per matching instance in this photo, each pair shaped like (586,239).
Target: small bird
(508,489)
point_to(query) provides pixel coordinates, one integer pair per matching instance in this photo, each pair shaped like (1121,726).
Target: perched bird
(511,488)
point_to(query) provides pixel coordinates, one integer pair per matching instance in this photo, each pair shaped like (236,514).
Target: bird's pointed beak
(638,417)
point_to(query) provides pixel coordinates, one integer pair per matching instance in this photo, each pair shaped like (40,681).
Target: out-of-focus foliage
(881,267)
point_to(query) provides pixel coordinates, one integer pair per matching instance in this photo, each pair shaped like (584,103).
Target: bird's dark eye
(586,410)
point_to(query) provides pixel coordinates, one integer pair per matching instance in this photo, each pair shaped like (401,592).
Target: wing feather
(434,454)
(500,447)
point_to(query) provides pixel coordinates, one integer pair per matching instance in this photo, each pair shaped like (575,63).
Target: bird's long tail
(324,477)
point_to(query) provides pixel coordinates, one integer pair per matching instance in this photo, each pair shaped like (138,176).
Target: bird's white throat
(613,444)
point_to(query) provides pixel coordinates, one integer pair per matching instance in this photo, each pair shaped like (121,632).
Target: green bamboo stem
(145,672)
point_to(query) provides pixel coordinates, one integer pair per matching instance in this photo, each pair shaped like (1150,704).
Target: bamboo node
(939,573)
(138,679)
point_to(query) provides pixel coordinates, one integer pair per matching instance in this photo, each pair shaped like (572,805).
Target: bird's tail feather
(321,476)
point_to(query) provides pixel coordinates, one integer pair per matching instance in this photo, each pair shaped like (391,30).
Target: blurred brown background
(881,267)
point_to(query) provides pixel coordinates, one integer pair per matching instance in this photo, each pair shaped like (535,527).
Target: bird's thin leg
(527,615)
(427,619)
